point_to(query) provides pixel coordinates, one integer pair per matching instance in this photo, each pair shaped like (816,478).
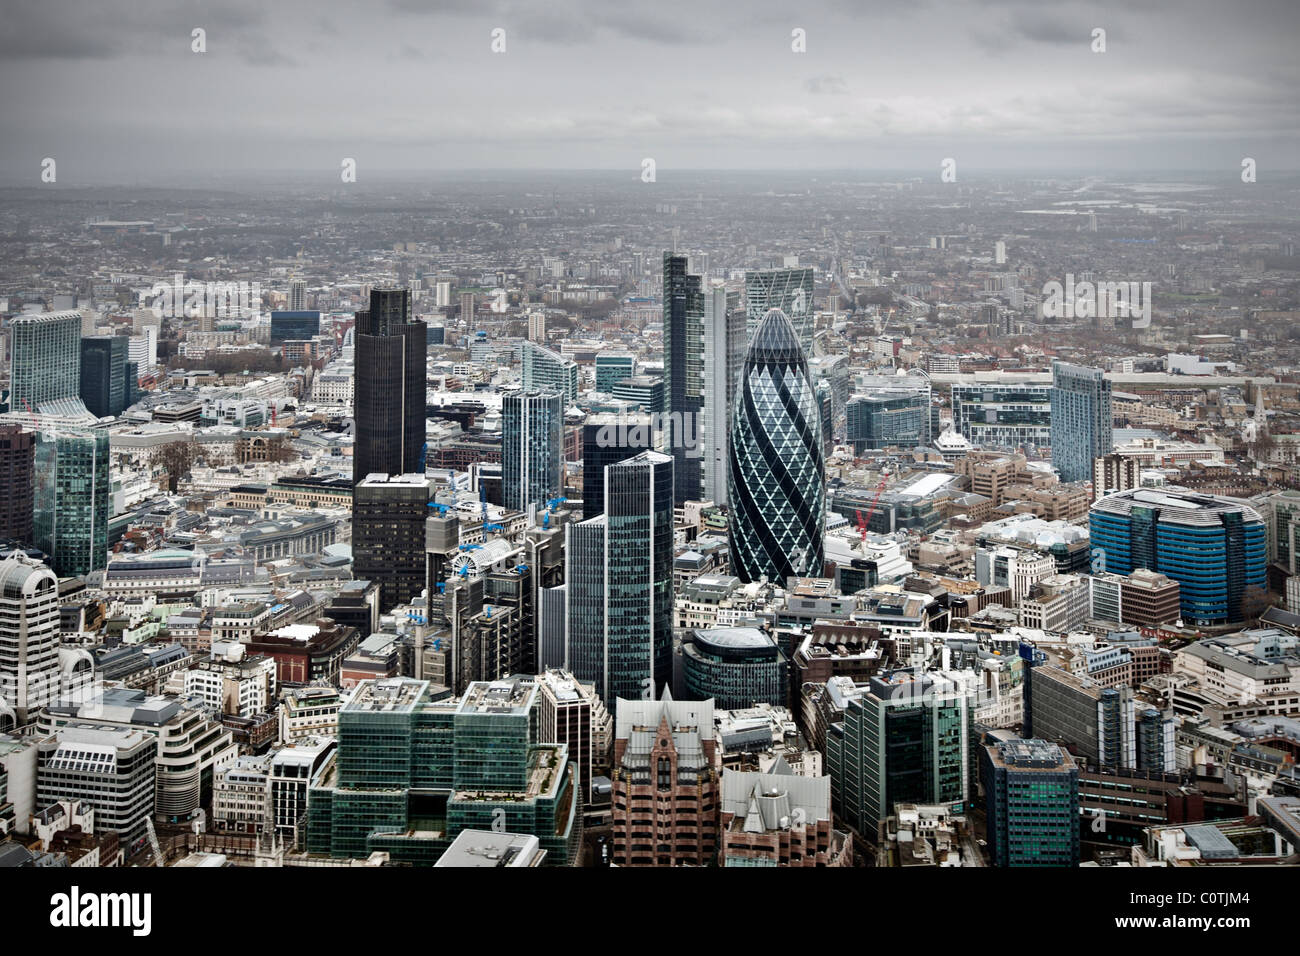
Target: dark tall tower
(103,374)
(388,536)
(683,304)
(389,401)
(17,455)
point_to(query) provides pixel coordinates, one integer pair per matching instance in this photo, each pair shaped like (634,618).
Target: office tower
(467,312)
(537,327)
(1112,473)
(103,375)
(736,667)
(779,819)
(191,745)
(110,769)
(532,425)
(999,253)
(666,774)
(613,367)
(1003,415)
(388,518)
(644,392)
(391,348)
(295,325)
(879,420)
(1214,547)
(297,295)
(142,349)
(571,713)
(1156,737)
(620,583)
(29,638)
(45,363)
(606,439)
(89,319)
(1094,721)
(552,611)
(791,291)
(776,481)
(724,357)
(1031,799)
(1082,422)
(409,756)
(545,370)
(683,305)
(826,405)
(71,498)
(17,475)
(904,739)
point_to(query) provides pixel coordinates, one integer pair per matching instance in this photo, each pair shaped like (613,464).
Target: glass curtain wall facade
(776,482)
(532,446)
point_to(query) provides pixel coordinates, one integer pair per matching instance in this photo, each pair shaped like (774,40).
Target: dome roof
(775,339)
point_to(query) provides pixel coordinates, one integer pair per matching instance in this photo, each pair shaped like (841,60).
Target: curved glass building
(777,480)
(1213,547)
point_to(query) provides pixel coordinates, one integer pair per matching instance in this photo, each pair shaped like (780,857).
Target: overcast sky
(112,91)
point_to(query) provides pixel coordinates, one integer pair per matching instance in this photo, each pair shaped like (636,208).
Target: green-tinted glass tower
(71,498)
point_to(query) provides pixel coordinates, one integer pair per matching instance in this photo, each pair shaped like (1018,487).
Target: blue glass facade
(1215,548)
(1082,420)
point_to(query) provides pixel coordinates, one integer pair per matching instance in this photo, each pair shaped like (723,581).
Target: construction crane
(153,841)
(864,523)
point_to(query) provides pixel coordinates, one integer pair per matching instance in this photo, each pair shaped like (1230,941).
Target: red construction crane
(864,523)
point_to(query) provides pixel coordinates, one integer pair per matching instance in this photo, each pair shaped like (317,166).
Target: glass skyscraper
(724,356)
(683,305)
(1215,548)
(777,481)
(532,446)
(391,349)
(1082,420)
(620,583)
(791,291)
(1031,793)
(103,375)
(71,498)
(46,350)
(886,419)
(544,369)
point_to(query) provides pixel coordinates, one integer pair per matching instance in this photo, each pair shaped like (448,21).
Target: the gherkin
(777,480)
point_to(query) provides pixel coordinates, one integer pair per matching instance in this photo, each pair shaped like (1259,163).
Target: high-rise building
(620,583)
(776,481)
(683,305)
(103,375)
(391,349)
(724,357)
(1214,547)
(606,439)
(537,327)
(904,738)
(110,769)
(388,541)
(416,767)
(71,498)
(467,312)
(887,419)
(613,367)
(1031,798)
(1003,415)
(791,291)
(45,359)
(297,295)
(549,371)
(1082,420)
(736,667)
(29,638)
(295,325)
(1094,721)
(532,424)
(571,713)
(17,475)
(667,788)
